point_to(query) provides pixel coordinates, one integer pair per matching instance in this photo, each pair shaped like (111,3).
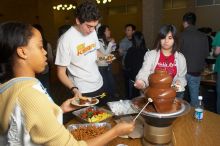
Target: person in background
(28,114)
(193,42)
(165,56)
(62,29)
(107,46)
(124,45)
(216,46)
(134,60)
(44,77)
(208,32)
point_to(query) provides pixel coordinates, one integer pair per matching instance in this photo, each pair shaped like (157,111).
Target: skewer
(149,100)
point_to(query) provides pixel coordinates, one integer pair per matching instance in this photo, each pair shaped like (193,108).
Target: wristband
(145,84)
(71,89)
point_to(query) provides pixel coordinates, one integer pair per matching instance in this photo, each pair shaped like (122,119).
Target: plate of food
(108,58)
(92,114)
(88,131)
(84,101)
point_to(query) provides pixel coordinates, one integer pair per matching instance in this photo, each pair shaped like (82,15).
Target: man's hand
(76,92)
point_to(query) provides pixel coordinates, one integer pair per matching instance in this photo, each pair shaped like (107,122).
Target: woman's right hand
(124,128)
(139,84)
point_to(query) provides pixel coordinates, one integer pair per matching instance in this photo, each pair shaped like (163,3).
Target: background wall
(21,10)
(209,16)
(116,15)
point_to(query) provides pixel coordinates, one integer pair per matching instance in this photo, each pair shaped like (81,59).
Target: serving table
(186,131)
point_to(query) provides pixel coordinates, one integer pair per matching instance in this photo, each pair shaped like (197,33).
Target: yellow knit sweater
(39,113)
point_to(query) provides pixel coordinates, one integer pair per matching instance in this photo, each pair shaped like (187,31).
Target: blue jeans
(193,83)
(218,92)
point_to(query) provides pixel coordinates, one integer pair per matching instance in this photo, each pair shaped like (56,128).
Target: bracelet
(145,84)
(71,89)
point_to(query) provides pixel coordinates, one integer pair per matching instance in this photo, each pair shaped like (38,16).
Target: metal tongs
(149,100)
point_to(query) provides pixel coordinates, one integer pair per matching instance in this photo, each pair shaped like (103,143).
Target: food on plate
(94,115)
(83,101)
(86,100)
(108,58)
(88,132)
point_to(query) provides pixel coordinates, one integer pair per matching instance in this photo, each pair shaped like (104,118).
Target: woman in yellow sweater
(28,114)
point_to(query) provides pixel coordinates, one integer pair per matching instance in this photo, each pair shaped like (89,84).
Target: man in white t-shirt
(77,52)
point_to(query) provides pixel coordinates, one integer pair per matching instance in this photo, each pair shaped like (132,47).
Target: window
(204,2)
(217,1)
(174,4)
(179,3)
(167,4)
(130,9)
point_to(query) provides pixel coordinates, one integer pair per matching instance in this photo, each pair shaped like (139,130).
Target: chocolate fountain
(160,114)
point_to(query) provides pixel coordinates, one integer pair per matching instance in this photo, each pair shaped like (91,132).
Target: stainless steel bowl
(160,119)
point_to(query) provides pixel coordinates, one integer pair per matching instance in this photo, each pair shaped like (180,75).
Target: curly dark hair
(87,11)
(12,36)
(164,30)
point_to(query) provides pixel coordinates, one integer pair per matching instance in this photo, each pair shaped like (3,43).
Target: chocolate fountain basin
(152,117)
(158,126)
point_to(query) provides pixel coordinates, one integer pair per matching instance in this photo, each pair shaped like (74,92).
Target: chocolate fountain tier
(163,99)
(152,117)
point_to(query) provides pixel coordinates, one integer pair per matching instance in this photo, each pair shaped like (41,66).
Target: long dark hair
(101,33)
(138,40)
(12,36)
(164,30)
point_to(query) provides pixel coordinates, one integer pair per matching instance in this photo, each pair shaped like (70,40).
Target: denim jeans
(218,92)
(193,83)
